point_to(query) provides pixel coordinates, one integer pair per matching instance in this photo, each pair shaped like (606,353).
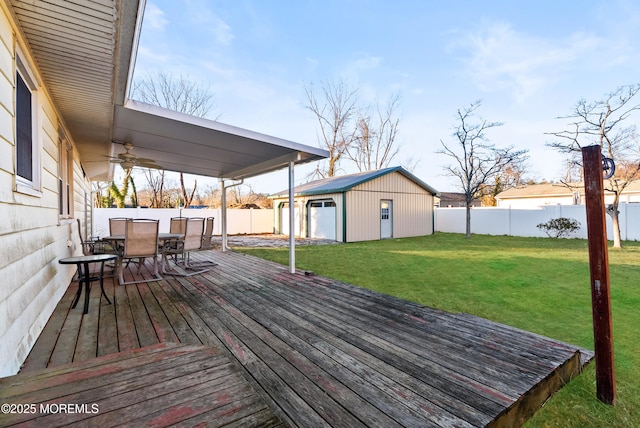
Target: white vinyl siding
(33,237)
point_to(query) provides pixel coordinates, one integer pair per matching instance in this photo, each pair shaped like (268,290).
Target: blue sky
(529,62)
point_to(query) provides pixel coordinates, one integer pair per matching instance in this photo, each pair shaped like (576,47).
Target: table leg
(102,282)
(87,287)
(80,281)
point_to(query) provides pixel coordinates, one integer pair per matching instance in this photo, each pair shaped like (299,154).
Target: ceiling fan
(128,160)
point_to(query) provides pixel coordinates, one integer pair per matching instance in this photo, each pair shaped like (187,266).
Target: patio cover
(85,52)
(180,142)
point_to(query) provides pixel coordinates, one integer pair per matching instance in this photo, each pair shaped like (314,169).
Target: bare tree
(476,162)
(374,144)
(335,109)
(511,175)
(156,183)
(187,197)
(178,93)
(602,122)
(411,163)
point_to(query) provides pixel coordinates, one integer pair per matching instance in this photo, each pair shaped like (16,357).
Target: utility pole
(599,268)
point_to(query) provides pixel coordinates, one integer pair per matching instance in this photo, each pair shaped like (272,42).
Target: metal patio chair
(206,243)
(140,242)
(192,241)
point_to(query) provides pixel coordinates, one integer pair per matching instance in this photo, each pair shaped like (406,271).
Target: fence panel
(238,221)
(523,222)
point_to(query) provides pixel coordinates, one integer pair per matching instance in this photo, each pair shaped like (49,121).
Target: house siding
(32,235)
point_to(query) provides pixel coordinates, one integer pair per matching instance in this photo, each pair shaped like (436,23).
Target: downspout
(434,213)
(223,220)
(91,196)
(344,216)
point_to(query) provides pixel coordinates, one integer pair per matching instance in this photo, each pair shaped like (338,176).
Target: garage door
(322,219)
(284,220)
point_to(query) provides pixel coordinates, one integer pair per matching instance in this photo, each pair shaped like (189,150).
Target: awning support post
(292,233)
(223,220)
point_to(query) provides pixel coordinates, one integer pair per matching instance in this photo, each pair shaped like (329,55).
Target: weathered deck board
(162,385)
(321,352)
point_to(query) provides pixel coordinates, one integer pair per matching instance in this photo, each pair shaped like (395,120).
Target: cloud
(222,31)
(360,65)
(202,17)
(502,59)
(154,18)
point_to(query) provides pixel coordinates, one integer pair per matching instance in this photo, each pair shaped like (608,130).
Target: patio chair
(93,246)
(207,242)
(177,225)
(205,245)
(90,246)
(207,236)
(140,242)
(117,225)
(116,228)
(192,241)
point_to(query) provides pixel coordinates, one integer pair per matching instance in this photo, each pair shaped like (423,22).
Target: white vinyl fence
(246,221)
(523,222)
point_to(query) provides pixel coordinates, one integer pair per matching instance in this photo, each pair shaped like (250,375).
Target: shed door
(284,219)
(322,219)
(386,219)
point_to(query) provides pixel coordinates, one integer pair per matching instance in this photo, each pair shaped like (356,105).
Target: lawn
(537,284)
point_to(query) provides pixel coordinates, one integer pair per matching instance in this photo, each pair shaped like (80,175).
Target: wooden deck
(321,352)
(159,385)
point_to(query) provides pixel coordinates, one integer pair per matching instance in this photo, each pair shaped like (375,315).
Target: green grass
(536,284)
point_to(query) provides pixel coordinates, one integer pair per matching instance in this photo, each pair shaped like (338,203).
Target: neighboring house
(65,68)
(536,195)
(454,200)
(386,203)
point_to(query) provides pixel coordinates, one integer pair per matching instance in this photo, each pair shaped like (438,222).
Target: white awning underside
(179,142)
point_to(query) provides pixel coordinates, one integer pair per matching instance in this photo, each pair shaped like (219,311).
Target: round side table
(84,275)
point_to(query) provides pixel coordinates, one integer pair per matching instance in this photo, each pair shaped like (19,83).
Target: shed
(385,203)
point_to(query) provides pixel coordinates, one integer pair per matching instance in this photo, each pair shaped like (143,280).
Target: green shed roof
(344,183)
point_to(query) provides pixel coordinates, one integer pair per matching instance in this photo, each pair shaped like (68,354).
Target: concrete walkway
(270,240)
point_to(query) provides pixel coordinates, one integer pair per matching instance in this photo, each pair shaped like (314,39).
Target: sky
(527,62)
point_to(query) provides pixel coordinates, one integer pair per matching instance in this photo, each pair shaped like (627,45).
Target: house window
(65,179)
(26,123)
